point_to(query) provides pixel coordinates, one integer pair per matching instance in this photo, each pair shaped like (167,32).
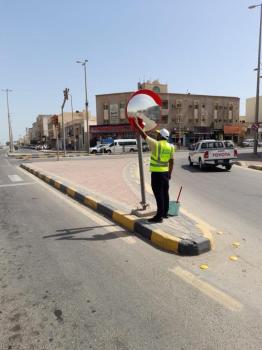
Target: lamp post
(258,79)
(11,142)
(87,138)
(72,111)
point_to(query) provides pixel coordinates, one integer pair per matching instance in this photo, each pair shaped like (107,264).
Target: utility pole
(66,91)
(11,142)
(258,79)
(87,138)
(72,111)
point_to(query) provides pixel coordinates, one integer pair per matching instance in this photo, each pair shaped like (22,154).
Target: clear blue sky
(205,46)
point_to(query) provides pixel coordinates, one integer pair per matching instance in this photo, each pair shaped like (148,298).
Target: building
(42,128)
(250,117)
(188,117)
(75,125)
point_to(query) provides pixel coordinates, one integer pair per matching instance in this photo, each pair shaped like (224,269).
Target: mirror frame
(147,92)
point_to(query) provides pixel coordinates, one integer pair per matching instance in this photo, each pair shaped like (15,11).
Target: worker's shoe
(166,216)
(155,219)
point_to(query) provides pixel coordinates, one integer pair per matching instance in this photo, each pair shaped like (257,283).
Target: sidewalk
(108,189)
(249,160)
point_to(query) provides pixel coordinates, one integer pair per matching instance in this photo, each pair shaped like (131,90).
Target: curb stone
(244,164)
(130,222)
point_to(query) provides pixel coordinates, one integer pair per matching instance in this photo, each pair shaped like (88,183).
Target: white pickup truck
(213,153)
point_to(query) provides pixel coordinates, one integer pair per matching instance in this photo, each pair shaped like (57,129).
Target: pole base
(143,211)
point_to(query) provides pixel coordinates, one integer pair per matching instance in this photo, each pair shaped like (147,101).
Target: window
(122,105)
(229,144)
(165,104)
(105,106)
(156,89)
(178,104)
(164,119)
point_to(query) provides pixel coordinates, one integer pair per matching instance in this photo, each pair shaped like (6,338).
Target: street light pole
(72,111)
(258,79)
(87,138)
(11,142)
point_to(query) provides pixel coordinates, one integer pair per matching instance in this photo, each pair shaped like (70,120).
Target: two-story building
(188,117)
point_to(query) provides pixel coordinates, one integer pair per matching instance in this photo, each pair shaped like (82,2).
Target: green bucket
(173,208)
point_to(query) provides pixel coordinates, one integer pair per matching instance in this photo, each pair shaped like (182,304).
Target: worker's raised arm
(140,130)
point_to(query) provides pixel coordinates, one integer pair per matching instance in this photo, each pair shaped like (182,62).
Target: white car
(213,153)
(98,148)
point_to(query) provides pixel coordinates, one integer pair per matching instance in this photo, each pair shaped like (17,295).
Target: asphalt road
(71,279)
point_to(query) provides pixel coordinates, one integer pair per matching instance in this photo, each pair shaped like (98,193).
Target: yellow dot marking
(233,258)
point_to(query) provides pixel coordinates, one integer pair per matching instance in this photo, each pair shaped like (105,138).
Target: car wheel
(228,167)
(190,161)
(131,150)
(201,165)
(93,152)
(108,151)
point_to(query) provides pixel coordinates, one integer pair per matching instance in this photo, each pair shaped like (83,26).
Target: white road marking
(18,184)
(15,178)
(207,289)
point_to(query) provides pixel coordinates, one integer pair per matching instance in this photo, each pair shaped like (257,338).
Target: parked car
(213,153)
(250,143)
(98,148)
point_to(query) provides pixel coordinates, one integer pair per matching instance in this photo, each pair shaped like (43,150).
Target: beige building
(251,110)
(188,117)
(250,117)
(75,126)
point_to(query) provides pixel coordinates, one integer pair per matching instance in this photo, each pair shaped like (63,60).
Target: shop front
(234,133)
(108,133)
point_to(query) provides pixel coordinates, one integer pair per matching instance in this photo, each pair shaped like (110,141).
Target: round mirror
(144,107)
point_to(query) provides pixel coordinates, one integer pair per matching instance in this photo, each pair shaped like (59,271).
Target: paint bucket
(173,208)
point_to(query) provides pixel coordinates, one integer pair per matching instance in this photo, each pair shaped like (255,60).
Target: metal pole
(258,83)
(86,111)
(11,143)
(87,136)
(73,121)
(141,172)
(63,127)
(57,142)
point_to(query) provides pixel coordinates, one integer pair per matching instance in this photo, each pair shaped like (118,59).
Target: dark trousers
(160,187)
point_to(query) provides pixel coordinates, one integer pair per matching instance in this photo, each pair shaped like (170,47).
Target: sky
(199,46)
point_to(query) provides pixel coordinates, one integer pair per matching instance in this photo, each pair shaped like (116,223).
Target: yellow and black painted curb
(158,237)
(255,167)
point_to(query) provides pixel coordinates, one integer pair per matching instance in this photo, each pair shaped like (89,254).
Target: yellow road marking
(207,289)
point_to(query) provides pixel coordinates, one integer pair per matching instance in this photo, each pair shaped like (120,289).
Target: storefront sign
(232,129)
(97,129)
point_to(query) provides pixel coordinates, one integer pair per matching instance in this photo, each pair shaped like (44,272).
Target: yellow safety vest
(159,161)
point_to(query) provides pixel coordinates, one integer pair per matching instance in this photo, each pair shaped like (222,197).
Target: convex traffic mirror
(144,106)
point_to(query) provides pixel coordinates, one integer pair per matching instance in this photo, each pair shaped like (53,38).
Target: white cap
(164,133)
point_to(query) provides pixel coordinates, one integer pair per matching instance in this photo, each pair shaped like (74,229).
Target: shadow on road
(68,234)
(210,169)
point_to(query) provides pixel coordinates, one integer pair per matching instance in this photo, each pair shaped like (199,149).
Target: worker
(161,167)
